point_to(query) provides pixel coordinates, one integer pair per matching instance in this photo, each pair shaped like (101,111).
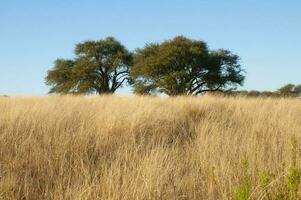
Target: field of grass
(149,148)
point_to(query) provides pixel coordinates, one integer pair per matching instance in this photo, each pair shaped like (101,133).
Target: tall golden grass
(146,148)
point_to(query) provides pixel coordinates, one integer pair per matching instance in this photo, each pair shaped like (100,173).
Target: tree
(297,90)
(290,90)
(254,93)
(182,66)
(99,67)
(286,90)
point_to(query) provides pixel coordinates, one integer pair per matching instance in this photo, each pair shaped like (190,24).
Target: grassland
(149,148)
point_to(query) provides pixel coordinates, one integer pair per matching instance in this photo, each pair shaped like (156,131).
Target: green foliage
(265,178)
(286,186)
(290,90)
(297,90)
(286,90)
(294,175)
(99,67)
(61,77)
(183,66)
(294,181)
(142,88)
(243,191)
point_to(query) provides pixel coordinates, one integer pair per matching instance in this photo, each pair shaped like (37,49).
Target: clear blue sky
(33,33)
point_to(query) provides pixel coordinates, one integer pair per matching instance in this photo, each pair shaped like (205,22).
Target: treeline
(179,66)
(289,90)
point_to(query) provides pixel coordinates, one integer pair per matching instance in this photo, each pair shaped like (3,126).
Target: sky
(33,33)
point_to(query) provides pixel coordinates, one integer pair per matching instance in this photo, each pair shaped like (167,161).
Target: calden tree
(99,67)
(182,66)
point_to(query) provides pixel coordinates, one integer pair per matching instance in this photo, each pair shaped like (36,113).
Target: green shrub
(242,192)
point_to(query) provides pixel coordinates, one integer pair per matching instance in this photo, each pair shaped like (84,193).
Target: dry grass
(143,147)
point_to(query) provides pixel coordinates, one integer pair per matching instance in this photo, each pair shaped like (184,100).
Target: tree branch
(118,85)
(209,90)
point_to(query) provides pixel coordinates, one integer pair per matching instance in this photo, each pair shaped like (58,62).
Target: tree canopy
(182,66)
(290,90)
(179,66)
(99,67)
